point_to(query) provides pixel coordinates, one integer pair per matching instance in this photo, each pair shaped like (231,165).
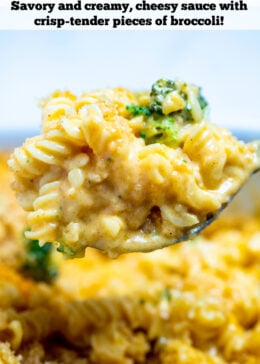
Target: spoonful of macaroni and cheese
(124,172)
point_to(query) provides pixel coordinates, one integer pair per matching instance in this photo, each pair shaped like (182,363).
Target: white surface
(35,63)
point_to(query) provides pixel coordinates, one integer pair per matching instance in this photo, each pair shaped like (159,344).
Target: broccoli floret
(38,263)
(162,128)
(136,110)
(159,90)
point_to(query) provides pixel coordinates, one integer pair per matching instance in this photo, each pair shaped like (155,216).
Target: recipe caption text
(122,15)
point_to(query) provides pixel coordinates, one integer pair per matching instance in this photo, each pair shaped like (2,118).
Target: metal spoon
(150,242)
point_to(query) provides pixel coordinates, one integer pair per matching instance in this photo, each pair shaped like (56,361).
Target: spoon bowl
(140,244)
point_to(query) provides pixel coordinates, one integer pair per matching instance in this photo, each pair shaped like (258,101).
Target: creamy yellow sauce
(196,302)
(92,179)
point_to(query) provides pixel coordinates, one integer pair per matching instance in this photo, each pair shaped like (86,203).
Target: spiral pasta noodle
(92,315)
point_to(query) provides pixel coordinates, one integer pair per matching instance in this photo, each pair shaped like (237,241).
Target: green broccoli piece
(136,110)
(158,92)
(69,252)
(162,87)
(160,128)
(38,263)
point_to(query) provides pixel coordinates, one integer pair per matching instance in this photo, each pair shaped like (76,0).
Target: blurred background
(35,63)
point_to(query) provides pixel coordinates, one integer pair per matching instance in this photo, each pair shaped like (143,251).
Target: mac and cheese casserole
(124,171)
(196,302)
